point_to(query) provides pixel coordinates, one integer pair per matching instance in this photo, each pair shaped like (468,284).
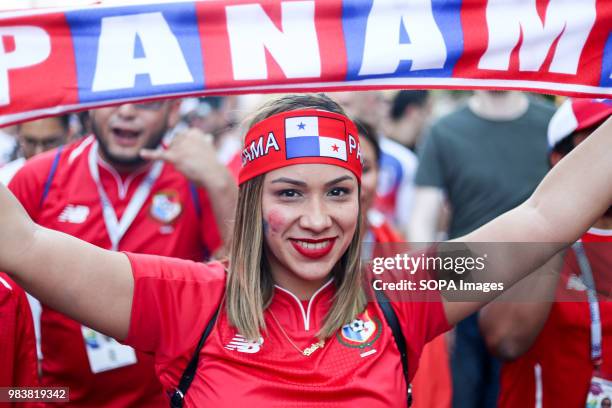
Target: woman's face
(310,216)
(369,177)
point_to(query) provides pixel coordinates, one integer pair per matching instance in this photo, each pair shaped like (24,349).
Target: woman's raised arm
(572,196)
(89,284)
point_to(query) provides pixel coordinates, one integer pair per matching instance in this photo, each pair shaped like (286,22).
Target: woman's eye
(339,192)
(288,193)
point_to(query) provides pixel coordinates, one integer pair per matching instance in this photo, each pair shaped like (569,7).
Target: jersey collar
(122,181)
(294,315)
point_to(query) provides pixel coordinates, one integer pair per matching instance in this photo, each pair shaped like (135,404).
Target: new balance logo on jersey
(74,214)
(242,345)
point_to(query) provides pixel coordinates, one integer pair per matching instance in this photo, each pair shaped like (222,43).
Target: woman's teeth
(313,245)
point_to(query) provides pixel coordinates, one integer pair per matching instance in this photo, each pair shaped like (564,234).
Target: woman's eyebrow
(289,181)
(337,180)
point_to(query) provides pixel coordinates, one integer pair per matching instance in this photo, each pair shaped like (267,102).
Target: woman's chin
(317,275)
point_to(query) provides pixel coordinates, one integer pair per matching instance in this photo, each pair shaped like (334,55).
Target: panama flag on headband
(313,136)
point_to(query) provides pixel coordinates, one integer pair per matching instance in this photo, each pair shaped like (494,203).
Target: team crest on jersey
(166,206)
(361,332)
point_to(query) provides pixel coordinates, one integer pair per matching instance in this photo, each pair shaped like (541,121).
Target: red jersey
(557,369)
(170,222)
(17,343)
(358,367)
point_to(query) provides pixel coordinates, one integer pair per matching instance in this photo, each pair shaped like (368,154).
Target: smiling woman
(311,212)
(308,216)
(286,321)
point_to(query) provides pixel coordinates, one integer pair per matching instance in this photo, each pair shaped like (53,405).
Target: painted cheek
(275,222)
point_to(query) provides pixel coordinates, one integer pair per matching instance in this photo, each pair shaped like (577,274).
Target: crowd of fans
(436,165)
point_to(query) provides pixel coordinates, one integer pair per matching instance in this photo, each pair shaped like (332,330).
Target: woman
(431,385)
(376,227)
(294,328)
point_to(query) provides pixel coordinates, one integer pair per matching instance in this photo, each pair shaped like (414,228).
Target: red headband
(301,137)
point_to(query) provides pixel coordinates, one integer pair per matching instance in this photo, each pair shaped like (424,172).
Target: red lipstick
(313,248)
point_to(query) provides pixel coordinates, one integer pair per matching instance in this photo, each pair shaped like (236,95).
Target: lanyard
(589,282)
(117,228)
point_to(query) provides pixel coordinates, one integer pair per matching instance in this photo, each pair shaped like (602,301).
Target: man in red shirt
(102,190)
(548,346)
(17,343)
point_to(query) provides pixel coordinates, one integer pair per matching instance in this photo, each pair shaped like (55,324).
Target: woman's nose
(316,216)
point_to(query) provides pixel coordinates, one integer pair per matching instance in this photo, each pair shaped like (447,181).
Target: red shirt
(175,299)
(17,342)
(559,362)
(167,224)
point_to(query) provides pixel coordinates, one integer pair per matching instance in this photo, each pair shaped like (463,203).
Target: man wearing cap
(120,189)
(557,353)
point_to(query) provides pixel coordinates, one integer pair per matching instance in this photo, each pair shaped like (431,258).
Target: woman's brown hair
(250,285)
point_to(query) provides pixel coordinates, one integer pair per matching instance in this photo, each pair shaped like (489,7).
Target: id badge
(600,393)
(105,353)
